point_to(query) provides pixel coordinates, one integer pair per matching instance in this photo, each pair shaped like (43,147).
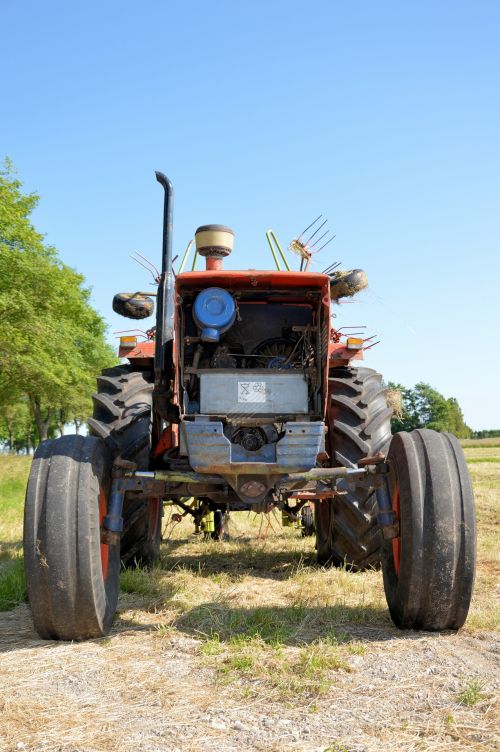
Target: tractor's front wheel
(429,568)
(72,573)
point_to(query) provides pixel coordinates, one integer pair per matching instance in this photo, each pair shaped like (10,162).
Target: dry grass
(249,646)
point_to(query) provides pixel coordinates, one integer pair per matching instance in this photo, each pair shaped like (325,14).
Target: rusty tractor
(244,397)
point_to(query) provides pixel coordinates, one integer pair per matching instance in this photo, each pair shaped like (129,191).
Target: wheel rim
(396,542)
(103,506)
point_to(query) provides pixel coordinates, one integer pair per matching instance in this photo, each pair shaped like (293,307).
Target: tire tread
(359,426)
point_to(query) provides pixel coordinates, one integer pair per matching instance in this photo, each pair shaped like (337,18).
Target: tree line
(52,341)
(488,434)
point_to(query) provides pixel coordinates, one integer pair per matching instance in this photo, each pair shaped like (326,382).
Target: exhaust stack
(214,242)
(165,294)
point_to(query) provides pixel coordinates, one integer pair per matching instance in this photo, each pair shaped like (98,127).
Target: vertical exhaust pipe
(165,298)
(168,221)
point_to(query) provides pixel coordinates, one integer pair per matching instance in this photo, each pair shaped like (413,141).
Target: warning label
(251,391)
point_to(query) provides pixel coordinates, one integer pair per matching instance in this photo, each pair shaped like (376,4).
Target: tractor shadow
(292,626)
(227,618)
(246,559)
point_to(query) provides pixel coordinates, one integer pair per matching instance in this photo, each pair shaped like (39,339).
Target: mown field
(249,645)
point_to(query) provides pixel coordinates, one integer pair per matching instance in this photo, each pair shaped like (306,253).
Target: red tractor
(244,397)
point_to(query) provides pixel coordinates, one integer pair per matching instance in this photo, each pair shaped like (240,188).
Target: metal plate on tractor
(263,392)
(209,450)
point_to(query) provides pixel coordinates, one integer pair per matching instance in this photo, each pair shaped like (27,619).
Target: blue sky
(383,116)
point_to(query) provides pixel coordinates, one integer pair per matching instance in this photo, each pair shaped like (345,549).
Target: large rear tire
(123,419)
(72,577)
(359,419)
(429,569)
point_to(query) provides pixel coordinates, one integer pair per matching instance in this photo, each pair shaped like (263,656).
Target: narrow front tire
(429,568)
(72,571)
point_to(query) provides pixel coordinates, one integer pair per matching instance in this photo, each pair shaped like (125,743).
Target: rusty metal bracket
(375,459)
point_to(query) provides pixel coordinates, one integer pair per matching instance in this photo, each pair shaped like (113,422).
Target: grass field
(262,624)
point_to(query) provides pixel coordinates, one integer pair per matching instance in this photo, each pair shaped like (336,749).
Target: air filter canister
(215,242)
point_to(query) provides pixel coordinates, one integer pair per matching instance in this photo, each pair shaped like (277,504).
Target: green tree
(16,426)
(52,341)
(457,424)
(425,407)
(432,408)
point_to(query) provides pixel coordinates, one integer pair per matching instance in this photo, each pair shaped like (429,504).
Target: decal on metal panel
(251,391)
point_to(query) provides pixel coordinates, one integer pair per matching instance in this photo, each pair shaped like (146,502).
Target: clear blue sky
(384,116)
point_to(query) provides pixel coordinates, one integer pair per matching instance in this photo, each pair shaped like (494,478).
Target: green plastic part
(272,237)
(195,260)
(185,257)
